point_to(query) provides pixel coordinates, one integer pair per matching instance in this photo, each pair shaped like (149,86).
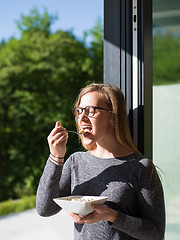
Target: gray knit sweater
(131,184)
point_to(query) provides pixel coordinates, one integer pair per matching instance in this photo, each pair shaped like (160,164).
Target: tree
(94,63)
(41,74)
(166,53)
(36,22)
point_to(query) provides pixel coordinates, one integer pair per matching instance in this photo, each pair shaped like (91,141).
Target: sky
(76,15)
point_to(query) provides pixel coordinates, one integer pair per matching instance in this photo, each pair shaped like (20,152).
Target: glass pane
(166,106)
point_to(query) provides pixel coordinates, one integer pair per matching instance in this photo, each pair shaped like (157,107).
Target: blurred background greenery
(40,76)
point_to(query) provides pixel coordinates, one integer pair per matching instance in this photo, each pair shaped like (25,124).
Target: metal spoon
(78,133)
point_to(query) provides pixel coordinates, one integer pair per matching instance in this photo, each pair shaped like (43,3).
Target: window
(166,106)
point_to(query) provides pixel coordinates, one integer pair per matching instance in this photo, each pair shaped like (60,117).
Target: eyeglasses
(89,110)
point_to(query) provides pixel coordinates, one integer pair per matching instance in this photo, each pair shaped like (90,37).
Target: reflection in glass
(166,106)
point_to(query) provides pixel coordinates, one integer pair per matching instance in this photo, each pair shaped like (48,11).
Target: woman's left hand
(101,212)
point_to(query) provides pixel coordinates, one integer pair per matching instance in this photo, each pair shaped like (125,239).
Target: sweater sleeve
(52,185)
(150,224)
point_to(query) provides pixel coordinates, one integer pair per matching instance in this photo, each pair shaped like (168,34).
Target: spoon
(78,133)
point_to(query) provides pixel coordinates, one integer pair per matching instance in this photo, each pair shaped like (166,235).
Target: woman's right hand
(57,140)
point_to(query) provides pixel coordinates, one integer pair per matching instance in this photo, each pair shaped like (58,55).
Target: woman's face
(99,126)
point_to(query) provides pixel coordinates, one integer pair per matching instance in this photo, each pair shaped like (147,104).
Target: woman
(111,167)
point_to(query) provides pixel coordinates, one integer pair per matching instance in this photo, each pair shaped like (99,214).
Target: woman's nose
(83,115)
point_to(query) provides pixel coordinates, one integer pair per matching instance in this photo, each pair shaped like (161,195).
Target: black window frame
(118,67)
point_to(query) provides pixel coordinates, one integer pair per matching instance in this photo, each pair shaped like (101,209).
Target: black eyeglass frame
(88,107)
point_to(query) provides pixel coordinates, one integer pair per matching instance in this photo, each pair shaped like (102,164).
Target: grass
(14,206)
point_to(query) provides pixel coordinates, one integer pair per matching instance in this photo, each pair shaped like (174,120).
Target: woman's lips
(86,130)
(86,134)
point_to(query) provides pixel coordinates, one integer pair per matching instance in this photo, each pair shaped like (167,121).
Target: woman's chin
(90,147)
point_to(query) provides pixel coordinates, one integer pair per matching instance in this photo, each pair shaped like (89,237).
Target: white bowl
(79,204)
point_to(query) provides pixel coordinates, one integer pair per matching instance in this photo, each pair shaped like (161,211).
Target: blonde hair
(116,102)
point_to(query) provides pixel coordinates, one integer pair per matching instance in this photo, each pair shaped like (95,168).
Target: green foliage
(96,49)
(166,58)
(14,206)
(40,76)
(35,22)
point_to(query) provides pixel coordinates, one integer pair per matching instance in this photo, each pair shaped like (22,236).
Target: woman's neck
(115,150)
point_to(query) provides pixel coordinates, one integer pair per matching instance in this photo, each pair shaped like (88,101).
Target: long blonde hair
(116,102)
